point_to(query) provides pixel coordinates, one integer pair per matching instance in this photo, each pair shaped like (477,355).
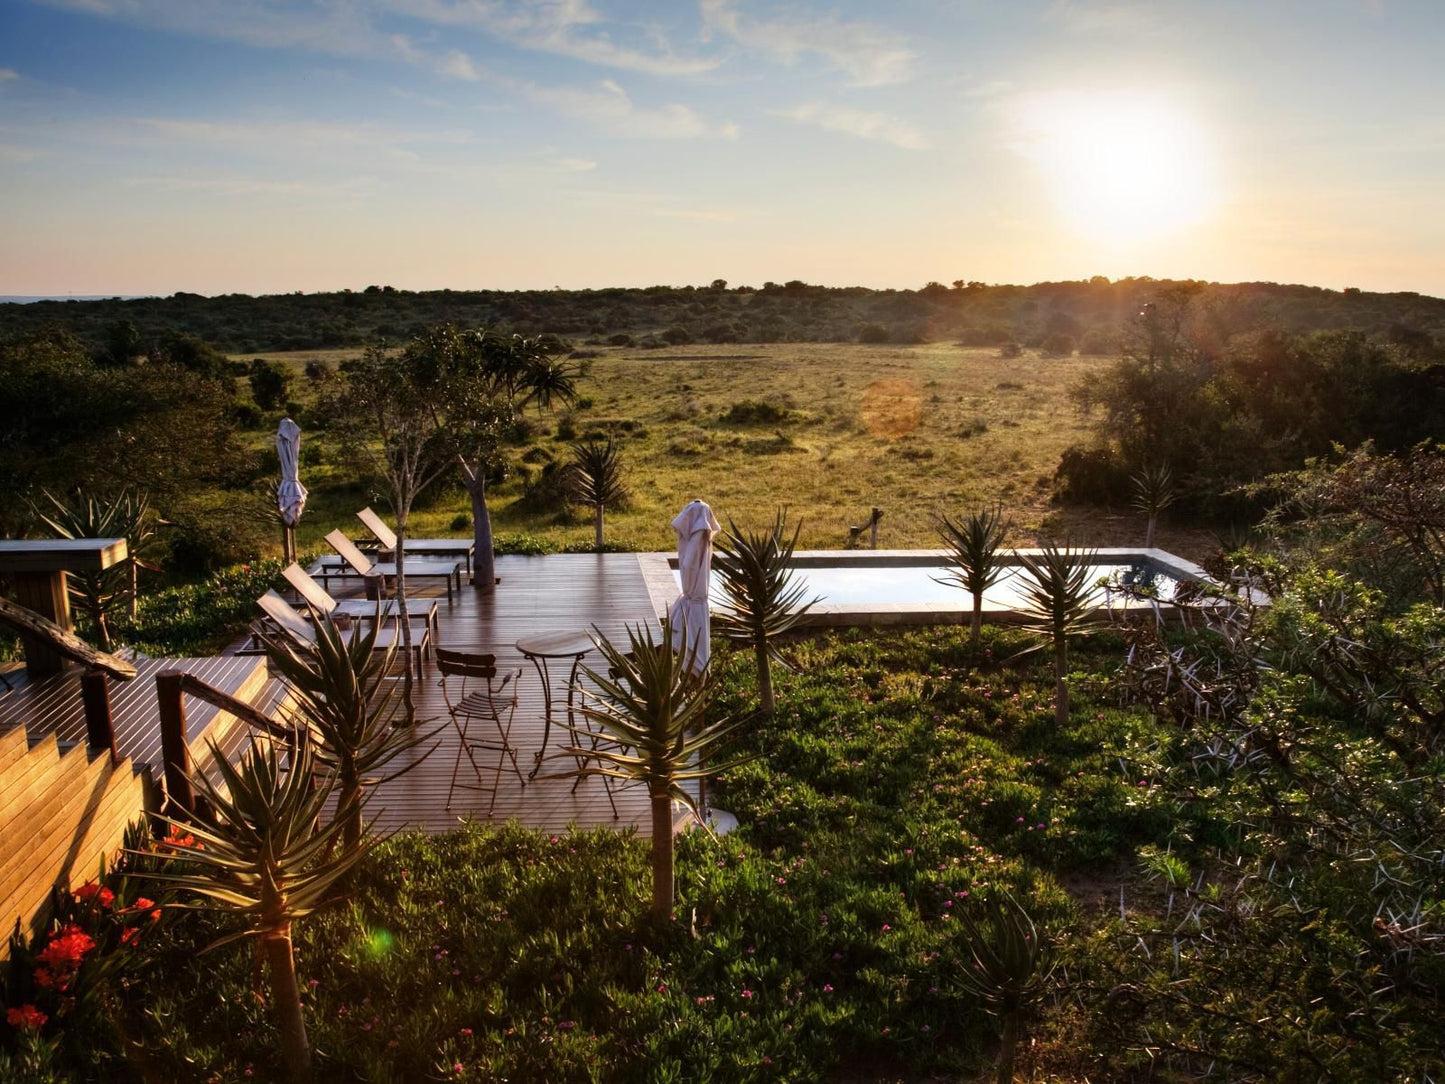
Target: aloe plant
(597,478)
(650,708)
(1153,488)
(1058,598)
(126,515)
(975,556)
(259,855)
(763,602)
(1005,966)
(339,686)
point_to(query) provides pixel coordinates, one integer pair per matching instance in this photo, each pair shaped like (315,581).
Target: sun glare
(1122,167)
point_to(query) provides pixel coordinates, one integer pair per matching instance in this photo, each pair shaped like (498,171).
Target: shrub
(1057,345)
(461,522)
(676,336)
(757,412)
(620,339)
(1090,476)
(1009,349)
(872,333)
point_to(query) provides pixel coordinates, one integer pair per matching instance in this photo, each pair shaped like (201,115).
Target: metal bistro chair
(479,691)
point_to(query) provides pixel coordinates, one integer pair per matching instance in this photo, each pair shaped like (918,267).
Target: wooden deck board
(53,707)
(536,595)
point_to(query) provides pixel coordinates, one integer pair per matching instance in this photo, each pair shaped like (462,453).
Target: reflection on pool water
(918,584)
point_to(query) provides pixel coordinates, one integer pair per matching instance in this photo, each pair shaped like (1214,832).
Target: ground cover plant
(903,777)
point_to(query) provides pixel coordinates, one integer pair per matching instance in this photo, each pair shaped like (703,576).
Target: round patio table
(539,650)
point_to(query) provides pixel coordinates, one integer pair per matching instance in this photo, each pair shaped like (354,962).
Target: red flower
(90,891)
(63,956)
(26,1017)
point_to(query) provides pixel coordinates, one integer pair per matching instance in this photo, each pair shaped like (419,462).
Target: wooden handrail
(189,683)
(171,685)
(30,623)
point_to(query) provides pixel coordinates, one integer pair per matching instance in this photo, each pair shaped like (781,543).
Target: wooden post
(47,594)
(175,749)
(99,724)
(873,528)
(134,586)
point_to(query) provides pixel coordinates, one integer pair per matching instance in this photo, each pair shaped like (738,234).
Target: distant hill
(1084,315)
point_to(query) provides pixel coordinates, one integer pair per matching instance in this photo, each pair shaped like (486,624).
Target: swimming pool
(902,586)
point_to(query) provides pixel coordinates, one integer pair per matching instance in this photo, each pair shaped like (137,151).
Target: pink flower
(827,987)
(747,993)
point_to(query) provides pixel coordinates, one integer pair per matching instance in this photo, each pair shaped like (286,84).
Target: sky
(266,146)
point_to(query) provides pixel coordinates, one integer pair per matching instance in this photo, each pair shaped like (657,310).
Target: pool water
(917,584)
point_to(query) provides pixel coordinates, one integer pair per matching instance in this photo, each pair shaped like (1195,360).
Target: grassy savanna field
(914,430)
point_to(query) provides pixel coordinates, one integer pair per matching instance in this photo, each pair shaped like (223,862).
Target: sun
(1122,167)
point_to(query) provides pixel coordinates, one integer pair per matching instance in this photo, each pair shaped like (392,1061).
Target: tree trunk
(1006,1045)
(661,857)
(765,679)
(406,679)
(597,524)
(484,560)
(348,798)
(1061,684)
(976,624)
(1149,532)
(286,997)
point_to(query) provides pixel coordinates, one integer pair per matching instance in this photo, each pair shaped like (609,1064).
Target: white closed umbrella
(290,494)
(691,625)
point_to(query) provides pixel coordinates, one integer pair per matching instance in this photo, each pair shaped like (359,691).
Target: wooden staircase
(65,805)
(61,812)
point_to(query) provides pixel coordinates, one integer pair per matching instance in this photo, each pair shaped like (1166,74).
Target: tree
(1153,487)
(69,423)
(763,602)
(597,478)
(270,383)
(1058,603)
(974,556)
(651,704)
(387,415)
(482,381)
(339,687)
(1005,965)
(104,592)
(260,856)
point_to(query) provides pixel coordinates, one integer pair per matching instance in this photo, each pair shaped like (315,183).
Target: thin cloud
(570,28)
(458,65)
(862,124)
(870,55)
(7,74)
(608,106)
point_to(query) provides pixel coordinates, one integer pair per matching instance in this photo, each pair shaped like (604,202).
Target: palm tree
(974,556)
(597,478)
(651,704)
(1059,603)
(260,856)
(127,515)
(1153,488)
(1005,967)
(763,602)
(339,685)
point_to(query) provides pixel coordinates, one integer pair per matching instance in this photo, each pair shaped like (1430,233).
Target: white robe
(695,526)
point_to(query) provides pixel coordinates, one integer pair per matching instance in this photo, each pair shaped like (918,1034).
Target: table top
(556,645)
(60,554)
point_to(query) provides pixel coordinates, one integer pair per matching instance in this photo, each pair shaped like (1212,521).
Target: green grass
(914,430)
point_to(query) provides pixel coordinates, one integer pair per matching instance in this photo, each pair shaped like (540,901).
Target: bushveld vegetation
(1055,317)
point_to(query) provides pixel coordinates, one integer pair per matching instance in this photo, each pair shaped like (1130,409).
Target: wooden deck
(52,707)
(537,595)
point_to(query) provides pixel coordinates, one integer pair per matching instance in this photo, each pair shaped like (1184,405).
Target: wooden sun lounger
(291,621)
(357,563)
(422,547)
(358,609)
